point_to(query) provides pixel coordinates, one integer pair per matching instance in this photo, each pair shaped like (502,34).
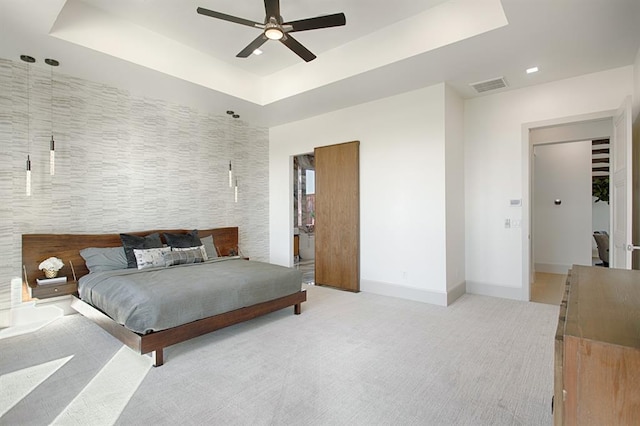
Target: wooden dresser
(597,349)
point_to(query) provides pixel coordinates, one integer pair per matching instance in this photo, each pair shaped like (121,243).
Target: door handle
(631,247)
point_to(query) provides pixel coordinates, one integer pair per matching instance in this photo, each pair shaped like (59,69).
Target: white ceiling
(164,49)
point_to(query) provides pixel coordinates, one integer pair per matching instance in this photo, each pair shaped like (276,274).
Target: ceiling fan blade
(335,20)
(247,51)
(272,8)
(225,17)
(297,48)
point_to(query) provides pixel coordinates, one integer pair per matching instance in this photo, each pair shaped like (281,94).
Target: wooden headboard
(38,247)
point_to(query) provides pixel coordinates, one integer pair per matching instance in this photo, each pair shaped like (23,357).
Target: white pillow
(202,249)
(150,258)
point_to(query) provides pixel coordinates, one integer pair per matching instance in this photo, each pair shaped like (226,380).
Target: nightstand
(54,290)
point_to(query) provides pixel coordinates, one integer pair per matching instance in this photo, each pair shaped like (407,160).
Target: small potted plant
(51,266)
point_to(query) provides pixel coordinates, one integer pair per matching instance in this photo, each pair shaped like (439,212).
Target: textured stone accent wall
(123,163)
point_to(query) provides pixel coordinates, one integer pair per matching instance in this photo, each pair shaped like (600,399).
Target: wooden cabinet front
(598,349)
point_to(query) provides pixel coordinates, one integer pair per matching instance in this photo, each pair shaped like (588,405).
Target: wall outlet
(516,223)
(507,223)
(404,275)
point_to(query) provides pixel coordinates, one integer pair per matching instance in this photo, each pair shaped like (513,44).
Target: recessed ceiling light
(257,52)
(532,70)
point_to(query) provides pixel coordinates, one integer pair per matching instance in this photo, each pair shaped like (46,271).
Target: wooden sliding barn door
(337,225)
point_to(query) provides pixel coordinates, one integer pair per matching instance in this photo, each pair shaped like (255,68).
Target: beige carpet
(349,359)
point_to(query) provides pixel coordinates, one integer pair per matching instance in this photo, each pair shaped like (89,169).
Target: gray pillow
(209,247)
(130,242)
(100,259)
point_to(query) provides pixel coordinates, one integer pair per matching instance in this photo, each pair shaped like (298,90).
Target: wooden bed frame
(37,247)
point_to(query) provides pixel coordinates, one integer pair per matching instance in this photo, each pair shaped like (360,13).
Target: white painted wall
(600,219)
(562,233)
(402,191)
(454,187)
(572,132)
(495,170)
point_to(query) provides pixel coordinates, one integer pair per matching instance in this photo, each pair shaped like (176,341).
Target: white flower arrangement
(51,264)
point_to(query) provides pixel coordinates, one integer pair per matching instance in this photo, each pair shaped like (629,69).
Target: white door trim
(621,188)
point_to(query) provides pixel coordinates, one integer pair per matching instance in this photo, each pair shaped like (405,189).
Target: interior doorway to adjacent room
(304,215)
(566,213)
(567,159)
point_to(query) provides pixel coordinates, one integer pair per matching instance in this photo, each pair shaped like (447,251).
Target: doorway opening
(571,220)
(304,194)
(544,141)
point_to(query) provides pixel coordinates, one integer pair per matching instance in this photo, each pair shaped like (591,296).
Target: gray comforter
(161,298)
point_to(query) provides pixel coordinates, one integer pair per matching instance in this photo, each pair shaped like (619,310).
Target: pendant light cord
(51,98)
(28,112)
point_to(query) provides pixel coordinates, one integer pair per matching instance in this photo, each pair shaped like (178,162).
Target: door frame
(622,178)
(527,190)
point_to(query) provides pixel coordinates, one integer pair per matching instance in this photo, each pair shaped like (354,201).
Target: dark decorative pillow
(183,257)
(190,239)
(130,242)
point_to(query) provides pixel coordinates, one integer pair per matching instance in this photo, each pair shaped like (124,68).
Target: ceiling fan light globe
(273,33)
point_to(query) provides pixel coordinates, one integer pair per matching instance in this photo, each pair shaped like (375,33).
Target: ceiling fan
(274,29)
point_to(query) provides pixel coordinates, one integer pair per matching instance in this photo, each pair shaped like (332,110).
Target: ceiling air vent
(487,85)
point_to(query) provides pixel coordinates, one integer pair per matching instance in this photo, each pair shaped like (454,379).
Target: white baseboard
(456,292)
(404,292)
(5,318)
(552,268)
(485,289)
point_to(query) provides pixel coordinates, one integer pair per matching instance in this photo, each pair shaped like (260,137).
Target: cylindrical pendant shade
(52,157)
(236,192)
(230,176)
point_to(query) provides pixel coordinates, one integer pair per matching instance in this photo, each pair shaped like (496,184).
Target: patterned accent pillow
(182,257)
(201,248)
(150,258)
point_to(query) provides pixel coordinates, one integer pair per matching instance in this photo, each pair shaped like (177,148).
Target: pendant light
(236,191)
(52,143)
(29,60)
(229,112)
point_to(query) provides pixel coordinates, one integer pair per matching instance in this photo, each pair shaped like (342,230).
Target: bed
(157,307)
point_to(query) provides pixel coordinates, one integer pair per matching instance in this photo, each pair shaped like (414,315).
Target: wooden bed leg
(296,308)
(157,358)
